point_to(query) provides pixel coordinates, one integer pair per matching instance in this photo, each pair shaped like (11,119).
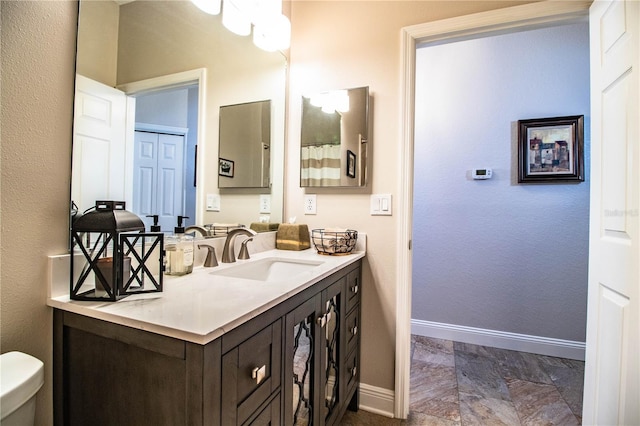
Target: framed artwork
(225,168)
(551,149)
(351,164)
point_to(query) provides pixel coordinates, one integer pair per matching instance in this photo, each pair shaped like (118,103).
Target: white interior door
(612,369)
(99,147)
(159,177)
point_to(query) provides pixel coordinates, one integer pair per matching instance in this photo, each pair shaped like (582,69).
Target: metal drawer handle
(324,319)
(354,289)
(354,371)
(258,373)
(354,330)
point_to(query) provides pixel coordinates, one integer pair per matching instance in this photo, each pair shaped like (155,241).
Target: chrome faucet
(204,232)
(228,252)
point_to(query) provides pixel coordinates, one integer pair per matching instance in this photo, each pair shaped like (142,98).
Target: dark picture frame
(551,149)
(226,167)
(351,164)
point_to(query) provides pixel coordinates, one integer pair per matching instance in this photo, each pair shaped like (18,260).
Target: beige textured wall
(98,41)
(343,44)
(38,51)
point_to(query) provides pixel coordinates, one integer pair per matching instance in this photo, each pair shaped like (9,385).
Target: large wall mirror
(335,145)
(151,79)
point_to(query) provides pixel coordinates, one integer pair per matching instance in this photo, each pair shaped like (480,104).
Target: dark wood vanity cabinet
(321,347)
(296,363)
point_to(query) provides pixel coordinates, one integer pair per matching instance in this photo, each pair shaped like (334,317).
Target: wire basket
(334,242)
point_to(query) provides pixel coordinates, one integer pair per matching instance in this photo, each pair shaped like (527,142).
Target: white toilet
(21,376)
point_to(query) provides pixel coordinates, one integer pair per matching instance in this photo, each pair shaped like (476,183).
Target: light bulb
(234,19)
(272,32)
(341,100)
(212,7)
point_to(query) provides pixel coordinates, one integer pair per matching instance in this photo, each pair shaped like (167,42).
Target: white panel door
(99,148)
(170,179)
(145,177)
(159,177)
(612,369)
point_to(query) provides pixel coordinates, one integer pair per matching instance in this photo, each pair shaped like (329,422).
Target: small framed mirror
(245,145)
(335,145)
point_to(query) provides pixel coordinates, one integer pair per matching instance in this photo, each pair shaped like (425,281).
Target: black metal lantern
(112,256)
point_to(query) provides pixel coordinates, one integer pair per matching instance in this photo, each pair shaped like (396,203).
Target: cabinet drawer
(352,370)
(352,330)
(250,374)
(269,415)
(353,289)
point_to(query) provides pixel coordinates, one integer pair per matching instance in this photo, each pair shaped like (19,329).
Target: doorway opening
(164,163)
(463,28)
(169,109)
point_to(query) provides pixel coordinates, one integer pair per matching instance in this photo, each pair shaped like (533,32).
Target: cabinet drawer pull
(354,289)
(258,373)
(354,371)
(354,330)
(324,319)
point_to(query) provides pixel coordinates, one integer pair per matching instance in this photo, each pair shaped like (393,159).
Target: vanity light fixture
(271,29)
(212,7)
(332,101)
(235,19)
(272,33)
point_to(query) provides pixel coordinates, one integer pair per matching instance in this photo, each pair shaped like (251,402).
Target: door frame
(495,22)
(171,81)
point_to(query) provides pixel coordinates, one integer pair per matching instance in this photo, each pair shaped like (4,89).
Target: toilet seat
(21,376)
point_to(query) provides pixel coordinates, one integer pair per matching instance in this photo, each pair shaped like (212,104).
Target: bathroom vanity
(216,348)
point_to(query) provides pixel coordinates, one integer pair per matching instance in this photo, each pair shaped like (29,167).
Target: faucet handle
(211,259)
(244,252)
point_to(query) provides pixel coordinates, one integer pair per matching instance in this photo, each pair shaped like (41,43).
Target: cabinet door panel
(333,309)
(301,360)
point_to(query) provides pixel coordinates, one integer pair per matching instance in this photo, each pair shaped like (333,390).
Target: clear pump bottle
(179,249)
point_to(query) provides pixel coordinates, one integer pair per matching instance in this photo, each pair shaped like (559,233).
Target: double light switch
(381,204)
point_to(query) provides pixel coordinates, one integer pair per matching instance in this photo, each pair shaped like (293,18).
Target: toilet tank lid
(21,376)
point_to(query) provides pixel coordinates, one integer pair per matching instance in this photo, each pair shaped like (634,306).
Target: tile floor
(456,383)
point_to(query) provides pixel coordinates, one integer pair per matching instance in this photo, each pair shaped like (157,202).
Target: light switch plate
(213,202)
(381,204)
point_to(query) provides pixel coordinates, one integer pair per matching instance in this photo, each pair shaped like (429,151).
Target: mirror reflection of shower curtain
(320,165)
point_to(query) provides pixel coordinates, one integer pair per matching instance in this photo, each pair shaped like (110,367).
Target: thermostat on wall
(481,173)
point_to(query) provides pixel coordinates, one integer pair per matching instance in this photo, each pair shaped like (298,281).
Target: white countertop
(201,306)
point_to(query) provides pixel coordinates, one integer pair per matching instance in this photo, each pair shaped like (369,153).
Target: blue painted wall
(496,254)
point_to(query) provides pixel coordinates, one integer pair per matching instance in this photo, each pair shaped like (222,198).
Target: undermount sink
(269,269)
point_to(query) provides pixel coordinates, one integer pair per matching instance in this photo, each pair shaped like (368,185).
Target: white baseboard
(500,339)
(376,400)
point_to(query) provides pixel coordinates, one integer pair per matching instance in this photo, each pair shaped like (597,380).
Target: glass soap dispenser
(179,249)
